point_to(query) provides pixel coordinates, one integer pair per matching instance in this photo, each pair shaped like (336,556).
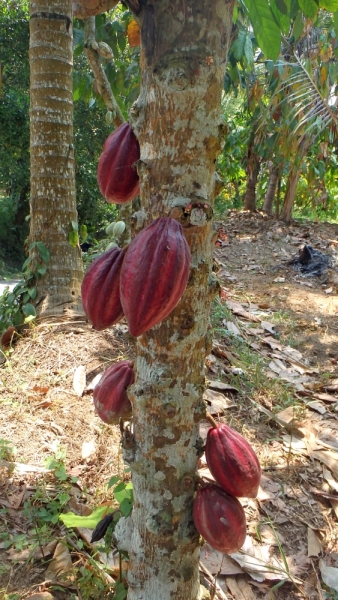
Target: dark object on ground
(101,528)
(311,263)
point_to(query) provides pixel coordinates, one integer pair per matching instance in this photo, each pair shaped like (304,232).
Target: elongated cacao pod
(219,518)
(100,289)
(117,177)
(110,394)
(154,274)
(232,462)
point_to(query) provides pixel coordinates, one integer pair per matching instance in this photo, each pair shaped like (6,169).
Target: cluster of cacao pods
(144,283)
(218,515)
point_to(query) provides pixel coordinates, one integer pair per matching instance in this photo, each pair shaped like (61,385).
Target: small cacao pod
(119,228)
(100,289)
(134,34)
(110,228)
(232,462)
(101,528)
(110,394)
(219,518)
(105,50)
(154,274)
(117,178)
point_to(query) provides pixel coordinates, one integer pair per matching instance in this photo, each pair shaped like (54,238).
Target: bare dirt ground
(272,375)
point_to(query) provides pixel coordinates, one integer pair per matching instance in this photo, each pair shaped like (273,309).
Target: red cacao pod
(219,518)
(154,274)
(100,289)
(110,396)
(117,178)
(232,462)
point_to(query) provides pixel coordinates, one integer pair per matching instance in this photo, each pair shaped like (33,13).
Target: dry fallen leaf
(329,575)
(218,402)
(79,380)
(218,563)
(60,567)
(314,546)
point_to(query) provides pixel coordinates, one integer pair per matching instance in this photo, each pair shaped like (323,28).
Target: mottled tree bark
(271,190)
(290,194)
(252,172)
(177,120)
(53,198)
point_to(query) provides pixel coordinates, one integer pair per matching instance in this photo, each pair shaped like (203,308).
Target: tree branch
(81,11)
(93,57)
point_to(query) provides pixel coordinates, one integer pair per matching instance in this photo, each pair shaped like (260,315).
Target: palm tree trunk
(177,120)
(271,191)
(53,198)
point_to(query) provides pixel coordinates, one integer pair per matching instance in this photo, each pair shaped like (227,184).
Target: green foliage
(122,71)
(112,234)
(16,307)
(7,450)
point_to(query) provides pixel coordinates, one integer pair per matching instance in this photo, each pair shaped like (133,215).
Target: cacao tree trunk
(252,171)
(290,194)
(271,191)
(53,197)
(177,120)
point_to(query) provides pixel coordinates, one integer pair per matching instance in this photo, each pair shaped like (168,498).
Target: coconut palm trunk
(53,197)
(177,120)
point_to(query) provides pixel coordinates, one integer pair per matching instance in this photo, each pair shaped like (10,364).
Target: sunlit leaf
(266,30)
(72,520)
(309,7)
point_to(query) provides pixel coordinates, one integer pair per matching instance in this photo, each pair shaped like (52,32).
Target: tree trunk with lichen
(53,197)
(177,120)
(252,172)
(271,190)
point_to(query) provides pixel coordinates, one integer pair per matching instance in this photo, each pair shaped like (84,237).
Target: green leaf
(41,270)
(29,310)
(126,507)
(266,30)
(309,7)
(72,520)
(83,232)
(26,263)
(282,19)
(282,7)
(43,251)
(120,591)
(18,318)
(75,226)
(331,5)
(32,292)
(73,238)
(113,480)
(29,319)
(248,51)
(238,46)
(298,27)
(335,21)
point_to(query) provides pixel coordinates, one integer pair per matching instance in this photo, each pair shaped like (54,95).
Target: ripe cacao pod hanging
(232,462)
(154,274)
(100,289)
(117,177)
(110,394)
(219,518)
